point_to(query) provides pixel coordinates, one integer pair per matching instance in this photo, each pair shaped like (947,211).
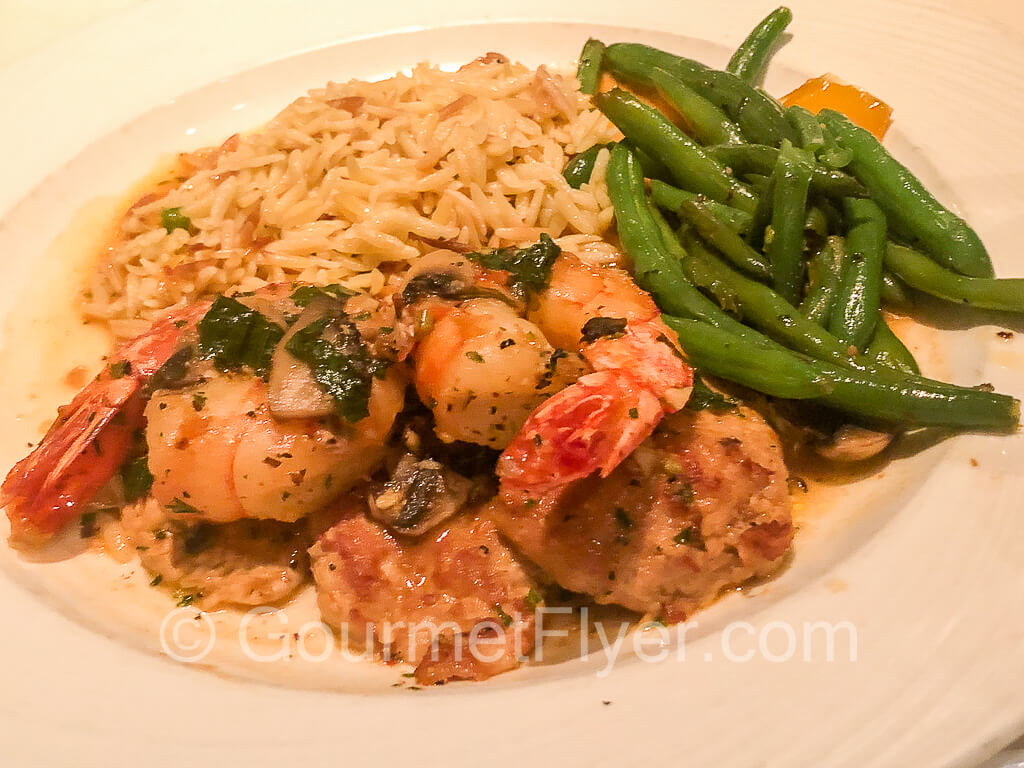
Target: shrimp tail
(91,437)
(593,425)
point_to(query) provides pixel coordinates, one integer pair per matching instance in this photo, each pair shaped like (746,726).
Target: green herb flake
(156,580)
(502,615)
(533,599)
(120,369)
(172,219)
(529,268)
(634,413)
(179,507)
(304,295)
(476,357)
(198,401)
(187,599)
(704,398)
(235,336)
(691,537)
(340,363)
(136,479)
(686,494)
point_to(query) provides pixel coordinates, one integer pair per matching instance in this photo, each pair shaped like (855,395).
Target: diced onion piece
(293,392)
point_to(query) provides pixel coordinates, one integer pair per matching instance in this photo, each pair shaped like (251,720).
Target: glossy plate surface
(923,562)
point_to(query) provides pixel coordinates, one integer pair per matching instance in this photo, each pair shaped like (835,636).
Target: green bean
(910,207)
(823,278)
(771,370)
(653,264)
(887,348)
(581,167)
(858,299)
(670,198)
(751,58)
(833,217)
(885,396)
(757,158)
(831,154)
(634,62)
(760,306)
(816,221)
(646,239)
(920,272)
(724,239)
(895,294)
(689,165)
(785,250)
(760,118)
(588,72)
(780,321)
(808,130)
(762,218)
(709,124)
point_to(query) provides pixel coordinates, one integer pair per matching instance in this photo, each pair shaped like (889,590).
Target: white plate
(924,563)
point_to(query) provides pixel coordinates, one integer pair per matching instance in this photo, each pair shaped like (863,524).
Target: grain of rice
(350,176)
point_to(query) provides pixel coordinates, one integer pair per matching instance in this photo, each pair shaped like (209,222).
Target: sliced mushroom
(293,392)
(852,443)
(420,494)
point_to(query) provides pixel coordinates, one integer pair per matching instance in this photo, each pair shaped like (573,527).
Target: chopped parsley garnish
(235,336)
(120,369)
(172,219)
(198,401)
(476,357)
(529,268)
(704,398)
(187,599)
(156,580)
(304,294)
(551,368)
(179,507)
(603,328)
(340,362)
(691,537)
(634,413)
(533,599)
(502,615)
(686,493)
(136,479)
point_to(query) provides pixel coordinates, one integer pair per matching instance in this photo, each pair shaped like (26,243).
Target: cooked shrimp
(639,377)
(230,458)
(223,446)
(482,369)
(491,368)
(479,365)
(91,437)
